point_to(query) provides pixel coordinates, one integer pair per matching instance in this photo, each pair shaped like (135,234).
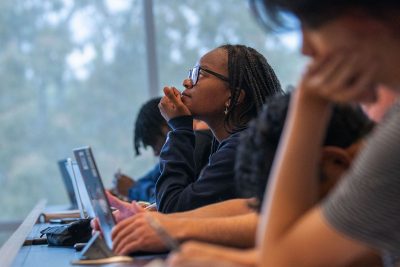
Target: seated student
(226,89)
(354,46)
(232,223)
(151,130)
(347,129)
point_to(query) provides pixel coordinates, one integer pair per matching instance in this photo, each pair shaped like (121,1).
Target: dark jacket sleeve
(177,188)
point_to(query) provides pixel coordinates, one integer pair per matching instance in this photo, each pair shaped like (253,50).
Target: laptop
(94,253)
(68,184)
(82,196)
(95,189)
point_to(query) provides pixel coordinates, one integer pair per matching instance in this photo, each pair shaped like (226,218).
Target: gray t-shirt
(366,203)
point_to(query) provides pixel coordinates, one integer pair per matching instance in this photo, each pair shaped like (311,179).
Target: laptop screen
(83,199)
(68,183)
(95,190)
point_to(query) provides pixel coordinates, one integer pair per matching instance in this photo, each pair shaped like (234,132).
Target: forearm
(293,187)
(231,207)
(237,231)
(245,258)
(176,165)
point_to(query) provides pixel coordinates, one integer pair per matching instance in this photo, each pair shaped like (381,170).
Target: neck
(218,129)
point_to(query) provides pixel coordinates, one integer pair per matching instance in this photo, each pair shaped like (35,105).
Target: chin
(184,99)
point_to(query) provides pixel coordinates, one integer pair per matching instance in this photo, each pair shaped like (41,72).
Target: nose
(306,48)
(187,83)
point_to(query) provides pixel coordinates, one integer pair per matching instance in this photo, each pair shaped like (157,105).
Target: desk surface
(43,255)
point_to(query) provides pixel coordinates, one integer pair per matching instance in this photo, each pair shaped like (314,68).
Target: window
(73,73)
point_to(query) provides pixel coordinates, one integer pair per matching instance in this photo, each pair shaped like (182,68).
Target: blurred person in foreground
(347,129)
(354,47)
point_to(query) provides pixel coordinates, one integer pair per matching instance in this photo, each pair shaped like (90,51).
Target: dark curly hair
(259,143)
(148,125)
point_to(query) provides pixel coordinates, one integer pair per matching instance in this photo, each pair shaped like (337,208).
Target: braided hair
(249,71)
(148,125)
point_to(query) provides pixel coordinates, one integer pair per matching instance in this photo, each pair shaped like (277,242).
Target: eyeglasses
(194,74)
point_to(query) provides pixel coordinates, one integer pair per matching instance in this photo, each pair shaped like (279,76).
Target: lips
(184,94)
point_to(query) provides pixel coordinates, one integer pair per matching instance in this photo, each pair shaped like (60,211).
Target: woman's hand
(343,77)
(171,105)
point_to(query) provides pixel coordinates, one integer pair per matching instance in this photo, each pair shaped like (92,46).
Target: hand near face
(171,105)
(193,254)
(343,77)
(135,234)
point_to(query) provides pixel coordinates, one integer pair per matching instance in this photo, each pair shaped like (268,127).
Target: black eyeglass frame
(195,71)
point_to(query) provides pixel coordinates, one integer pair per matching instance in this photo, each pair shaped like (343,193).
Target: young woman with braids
(226,90)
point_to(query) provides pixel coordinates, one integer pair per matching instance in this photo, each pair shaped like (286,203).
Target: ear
(334,162)
(336,156)
(241,97)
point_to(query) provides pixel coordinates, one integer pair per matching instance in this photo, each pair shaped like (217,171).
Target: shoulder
(231,142)
(203,135)
(364,205)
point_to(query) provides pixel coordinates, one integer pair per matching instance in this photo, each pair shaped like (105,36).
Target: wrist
(181,122)
(308,97)
(305,101)
(181,229)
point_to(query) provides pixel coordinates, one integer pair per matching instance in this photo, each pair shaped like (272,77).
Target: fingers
(125,209)
(343,77)
(136,207)
(118,216)
(171,105)
(134,234)
(328,70)
(130,239)
(200,254)
(173,95)
(363,89)
(115,202)
(94,223)
(123,228)
(129,247)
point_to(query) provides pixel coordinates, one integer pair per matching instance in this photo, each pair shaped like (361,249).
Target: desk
(15,255)
(45,256)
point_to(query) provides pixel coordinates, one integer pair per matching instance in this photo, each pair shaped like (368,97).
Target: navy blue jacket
(178,188)
(144,188)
